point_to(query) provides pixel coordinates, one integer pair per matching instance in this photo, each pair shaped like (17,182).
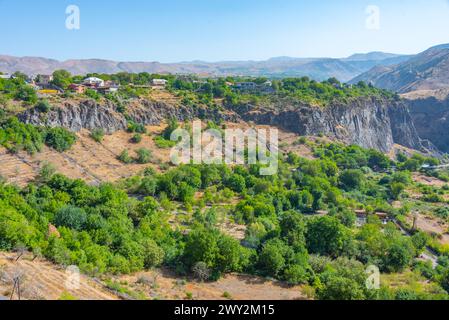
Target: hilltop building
(94,82)
(159,83)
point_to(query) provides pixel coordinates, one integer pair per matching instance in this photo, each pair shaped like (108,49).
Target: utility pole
(16,287)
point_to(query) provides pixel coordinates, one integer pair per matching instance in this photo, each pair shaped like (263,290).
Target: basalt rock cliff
(376,123)
(431,118)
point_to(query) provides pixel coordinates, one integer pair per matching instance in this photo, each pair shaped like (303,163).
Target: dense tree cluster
(16,136)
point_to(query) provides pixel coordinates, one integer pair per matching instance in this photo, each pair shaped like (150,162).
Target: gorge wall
(431,118)
(376,123)
(368,122)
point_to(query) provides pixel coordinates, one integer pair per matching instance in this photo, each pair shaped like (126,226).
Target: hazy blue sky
(181,30)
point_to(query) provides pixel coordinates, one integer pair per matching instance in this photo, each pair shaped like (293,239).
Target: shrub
(43,106)
(163,143)
(137,138)
(27,94)
(124,157)
(153,254)
(97,134)
(295,274)
(92,94)
(143,156)
(59,139)
(136,127)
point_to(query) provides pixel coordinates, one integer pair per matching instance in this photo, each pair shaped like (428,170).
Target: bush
(92,94)
(153,254)
(340,288)
(137,138)
(27,94)
(97,135)
(43,106)
(143,156)
(136,127)
(59,139)
(271,258)
(163,143)
(124,157)
(295,274)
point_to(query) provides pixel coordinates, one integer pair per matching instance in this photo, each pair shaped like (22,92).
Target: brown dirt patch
(163,284)
(43,280)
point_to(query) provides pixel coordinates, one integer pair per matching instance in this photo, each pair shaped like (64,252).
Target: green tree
(271,257)
(296,274)
(352,179)
(153,254)
(398,257)
(27,94)
(62,78)
(396,189)
(236,183)
(340,288)
(326,236)
(293,229)
(59,139)
(71,217)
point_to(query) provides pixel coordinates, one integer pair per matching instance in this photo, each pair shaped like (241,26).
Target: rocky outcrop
(431,119)
(90,115)
(376,123)
(76,116)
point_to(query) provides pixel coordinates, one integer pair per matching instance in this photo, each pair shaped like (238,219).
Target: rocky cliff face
(90,115)
(370,123)
(76,116)
(367,122)
(431,118)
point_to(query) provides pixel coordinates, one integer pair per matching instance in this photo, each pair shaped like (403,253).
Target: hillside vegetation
(104,230)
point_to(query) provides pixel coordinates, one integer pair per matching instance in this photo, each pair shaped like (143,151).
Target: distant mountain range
(428,70)
(315,68)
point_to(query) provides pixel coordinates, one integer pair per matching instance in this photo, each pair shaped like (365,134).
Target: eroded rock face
(90,115)
(431,118)
(368,122)
(76,116)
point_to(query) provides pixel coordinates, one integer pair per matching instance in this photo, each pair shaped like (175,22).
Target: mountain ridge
(428,70)
(316,68)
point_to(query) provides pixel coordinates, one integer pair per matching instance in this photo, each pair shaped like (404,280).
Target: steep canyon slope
(376,123)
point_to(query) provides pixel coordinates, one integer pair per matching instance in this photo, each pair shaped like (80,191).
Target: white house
(5,76)
(159,82)
(93,81)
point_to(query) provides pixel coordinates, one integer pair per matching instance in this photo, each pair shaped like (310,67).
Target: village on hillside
(44,84)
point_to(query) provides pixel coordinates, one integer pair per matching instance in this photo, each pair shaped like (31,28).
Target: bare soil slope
(43,280)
